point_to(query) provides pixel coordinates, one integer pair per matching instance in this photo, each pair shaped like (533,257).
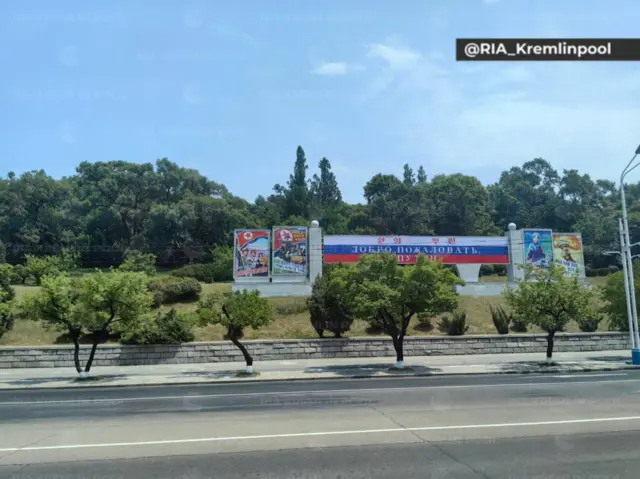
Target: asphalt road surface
(516,427)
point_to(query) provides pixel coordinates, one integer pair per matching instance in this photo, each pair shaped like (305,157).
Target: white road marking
(322,433)
(317,392)
(589,375)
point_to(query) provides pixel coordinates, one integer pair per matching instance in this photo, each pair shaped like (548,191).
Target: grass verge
(291,321)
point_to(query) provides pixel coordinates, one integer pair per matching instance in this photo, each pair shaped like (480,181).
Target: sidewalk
(317,369)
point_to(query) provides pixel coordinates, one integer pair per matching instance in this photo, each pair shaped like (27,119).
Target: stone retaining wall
(264,350)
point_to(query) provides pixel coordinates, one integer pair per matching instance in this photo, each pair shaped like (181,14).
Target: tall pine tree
(422,176)
(324,187)
(297,194)
(407,176)
(326,199)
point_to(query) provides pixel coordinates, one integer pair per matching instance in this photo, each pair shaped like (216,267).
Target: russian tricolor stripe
(449,250)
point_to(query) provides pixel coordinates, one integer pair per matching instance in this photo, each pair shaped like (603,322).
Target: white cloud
(460,119)
(397,58)
(331,69)
(402,69)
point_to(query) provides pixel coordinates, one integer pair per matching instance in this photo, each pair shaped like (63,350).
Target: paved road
(462,427)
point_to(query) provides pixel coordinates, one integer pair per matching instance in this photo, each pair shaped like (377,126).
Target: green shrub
(328,309)
(7,293)
(424,321)
(6,319)
(139,262)
(614,301)
(165,328)
(222,263)
(590,324)
(37,267)
(519,325)
(170,290)
(204,273)
(500,269)
(18,274)
(456,326)
(486,270)
(501,319)
(606,271)
(3,253)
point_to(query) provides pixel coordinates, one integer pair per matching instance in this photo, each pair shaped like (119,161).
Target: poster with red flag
(289,250)
(251,253)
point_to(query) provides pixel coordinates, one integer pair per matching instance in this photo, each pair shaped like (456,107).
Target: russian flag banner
(448,250)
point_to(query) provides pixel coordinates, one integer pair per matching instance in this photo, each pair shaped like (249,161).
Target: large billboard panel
(538,247)
(568,252)
(289,251)
(251,253)
(447,249)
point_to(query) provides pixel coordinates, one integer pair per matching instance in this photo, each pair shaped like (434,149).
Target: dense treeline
(178,214)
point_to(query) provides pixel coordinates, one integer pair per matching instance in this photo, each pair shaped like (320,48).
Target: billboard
(449,250)
(289,251)
(538,247)
(567,251)
(251,253)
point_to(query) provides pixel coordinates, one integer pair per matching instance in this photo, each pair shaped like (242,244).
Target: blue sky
(231,88)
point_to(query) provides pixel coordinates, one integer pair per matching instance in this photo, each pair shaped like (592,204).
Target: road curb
(541,372)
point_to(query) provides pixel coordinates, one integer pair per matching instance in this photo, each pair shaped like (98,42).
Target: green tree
(422,176)
(222,263)
(139,262)
(614,303)
(550,300)
(328,304)
(527,196)
(7,303)
(388,295)
(460,206)
(297,193)
(326,198)
(408,178)
(397,209)
(90,307)
(236,312)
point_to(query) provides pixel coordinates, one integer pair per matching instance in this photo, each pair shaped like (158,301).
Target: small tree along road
(388,295)
(90,307)
(328,305)
(549,299)
(236,311)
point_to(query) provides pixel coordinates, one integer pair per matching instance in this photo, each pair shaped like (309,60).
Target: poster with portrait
(538,247)
(251,254)
(289,251)
(568,252)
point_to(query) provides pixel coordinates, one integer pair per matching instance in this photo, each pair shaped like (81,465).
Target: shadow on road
(99,379)
(610,359)
(226,374)
(370,369)
(524,367)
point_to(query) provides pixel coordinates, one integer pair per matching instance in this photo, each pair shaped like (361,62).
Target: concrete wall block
(223,351)
(41,364)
